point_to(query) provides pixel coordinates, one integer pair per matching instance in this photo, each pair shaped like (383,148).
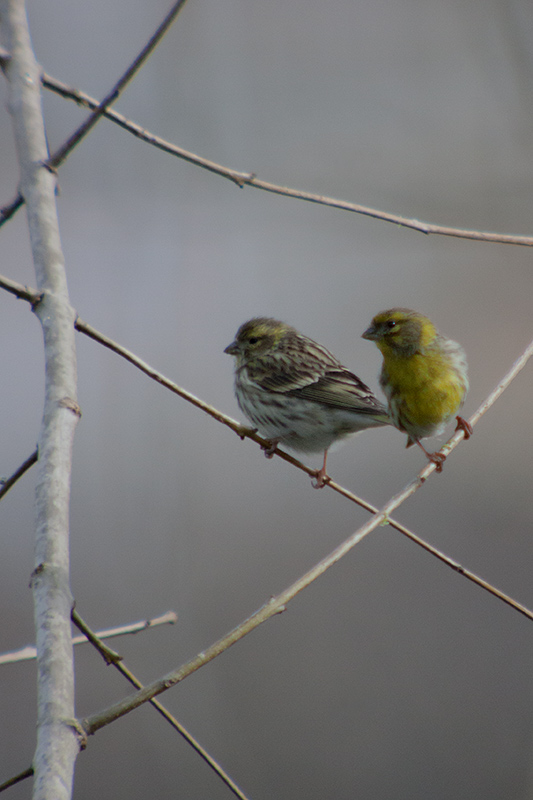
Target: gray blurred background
(391,676)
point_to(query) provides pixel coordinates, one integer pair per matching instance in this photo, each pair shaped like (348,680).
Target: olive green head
(401,332)
(258,336)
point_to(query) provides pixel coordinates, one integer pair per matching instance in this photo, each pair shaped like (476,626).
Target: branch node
(38,298)
(242,180)
(68,402)
(243,431)
(110,656)
(48,166)
(37,571)
(273,600)
(80,731)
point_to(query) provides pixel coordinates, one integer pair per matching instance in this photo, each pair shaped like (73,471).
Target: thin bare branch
(119,664)
(27,773)
(7,483)
(112,96)
(168,618)
(450,562)
(54,161)
(250,179)
(6,212)
(157,376)
(30,652)
(380,517)
(32,296)
(245,432)
(249,433)
(278,604)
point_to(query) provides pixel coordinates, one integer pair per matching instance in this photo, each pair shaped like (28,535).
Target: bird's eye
(391,323)
(253,339)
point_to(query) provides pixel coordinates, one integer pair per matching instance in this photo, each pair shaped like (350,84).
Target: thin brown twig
(32,296)
(75,138)
(249,433)
(27,773)
(6,212)
(455,565)
(112,96)
(245,432)
(278,604)
(250,179)
(381,516)
(7,483)
(121,667)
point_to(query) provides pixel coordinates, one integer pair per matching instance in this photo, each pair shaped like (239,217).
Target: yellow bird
(424,376)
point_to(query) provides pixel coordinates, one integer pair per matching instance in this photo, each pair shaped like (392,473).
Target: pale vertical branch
(57,736)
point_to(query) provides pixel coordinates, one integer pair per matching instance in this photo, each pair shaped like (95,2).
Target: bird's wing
(332,385)
(274,375)
(300,364)
(341,389)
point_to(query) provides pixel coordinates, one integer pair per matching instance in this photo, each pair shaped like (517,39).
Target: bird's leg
(465,426)
(270,448)
(437,458)
(321,475)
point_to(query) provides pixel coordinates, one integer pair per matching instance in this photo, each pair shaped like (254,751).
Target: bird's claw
(465,426)
(321,479)
(438,459)
(270,448)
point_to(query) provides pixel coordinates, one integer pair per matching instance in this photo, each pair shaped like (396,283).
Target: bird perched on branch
(424,376)
(296,393)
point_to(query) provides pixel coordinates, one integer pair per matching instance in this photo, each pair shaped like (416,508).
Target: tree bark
(57,733)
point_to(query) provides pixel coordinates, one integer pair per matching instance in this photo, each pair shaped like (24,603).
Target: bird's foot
(321,479)
(465,426)
(270,448)
(437,458)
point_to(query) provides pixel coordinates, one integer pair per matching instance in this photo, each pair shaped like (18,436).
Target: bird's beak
(232,349)
(370,333)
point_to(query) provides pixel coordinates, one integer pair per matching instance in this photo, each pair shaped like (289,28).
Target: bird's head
(400,332)
(258,337)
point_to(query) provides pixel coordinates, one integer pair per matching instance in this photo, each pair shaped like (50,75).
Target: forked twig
(278,604)
(121,667)
(251,179)
(248,433)
(57,158)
